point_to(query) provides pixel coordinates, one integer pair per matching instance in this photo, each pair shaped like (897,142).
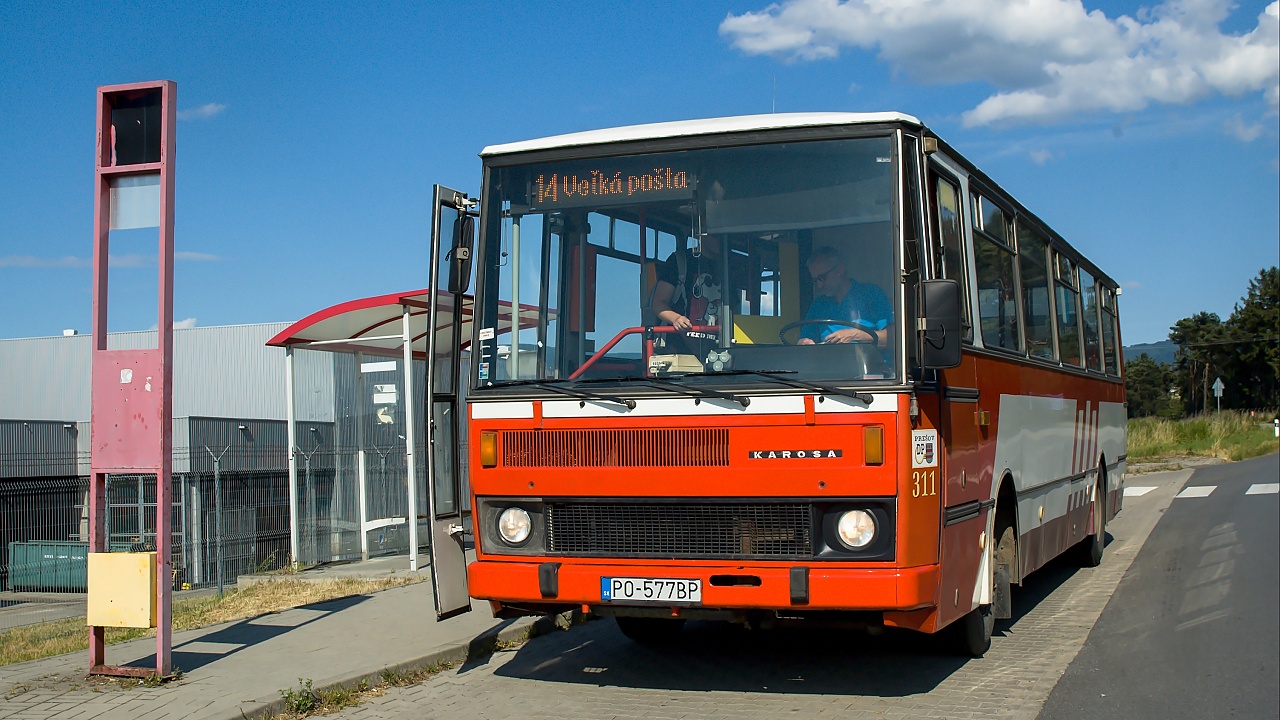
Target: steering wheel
(782,334)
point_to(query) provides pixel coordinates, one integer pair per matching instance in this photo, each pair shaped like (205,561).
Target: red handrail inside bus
(648,349)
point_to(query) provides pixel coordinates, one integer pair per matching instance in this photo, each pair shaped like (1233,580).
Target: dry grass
(63,636)
(1229,435)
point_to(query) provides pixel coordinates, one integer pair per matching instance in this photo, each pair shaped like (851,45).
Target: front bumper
(827,587)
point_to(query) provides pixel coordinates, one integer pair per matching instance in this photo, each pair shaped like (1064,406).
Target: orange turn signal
(873,445)
(488,449)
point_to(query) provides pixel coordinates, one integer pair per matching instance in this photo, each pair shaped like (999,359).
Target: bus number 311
(924,482)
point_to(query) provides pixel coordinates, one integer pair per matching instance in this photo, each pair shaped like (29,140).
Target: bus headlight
(856,529)
(514,525)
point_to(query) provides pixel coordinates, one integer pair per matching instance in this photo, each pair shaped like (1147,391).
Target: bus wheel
(1089,550)
(651,631)
(973,631)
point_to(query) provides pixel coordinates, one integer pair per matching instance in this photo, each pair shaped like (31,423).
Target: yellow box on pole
(122,590)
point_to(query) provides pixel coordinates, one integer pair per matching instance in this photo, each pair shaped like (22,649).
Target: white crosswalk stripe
(1137,490)
(1197,491)
(1263,489)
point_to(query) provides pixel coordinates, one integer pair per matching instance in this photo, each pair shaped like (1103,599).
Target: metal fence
(230,518)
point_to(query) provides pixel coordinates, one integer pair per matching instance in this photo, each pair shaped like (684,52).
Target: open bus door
(452,234)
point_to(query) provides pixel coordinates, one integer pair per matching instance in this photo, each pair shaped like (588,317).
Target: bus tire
(972,633)
(1088,551)
(648,630)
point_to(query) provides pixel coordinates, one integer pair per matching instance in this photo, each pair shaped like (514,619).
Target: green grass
(1230,435)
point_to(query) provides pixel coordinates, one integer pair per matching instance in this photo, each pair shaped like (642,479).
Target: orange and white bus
(765,367)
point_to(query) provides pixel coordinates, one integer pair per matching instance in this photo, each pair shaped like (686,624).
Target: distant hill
(1162,351)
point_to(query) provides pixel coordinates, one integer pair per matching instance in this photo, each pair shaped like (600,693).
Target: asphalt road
(1192,630)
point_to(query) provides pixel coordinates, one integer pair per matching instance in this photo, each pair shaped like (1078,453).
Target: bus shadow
(727,657)
(1041,584)
(797,659)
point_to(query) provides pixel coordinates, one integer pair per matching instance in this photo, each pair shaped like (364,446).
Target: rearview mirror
(942,326)
(464,231)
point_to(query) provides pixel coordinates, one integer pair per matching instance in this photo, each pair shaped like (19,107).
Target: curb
(245,581)
(478,647)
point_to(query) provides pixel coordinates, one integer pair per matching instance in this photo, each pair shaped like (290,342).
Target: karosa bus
(733,472)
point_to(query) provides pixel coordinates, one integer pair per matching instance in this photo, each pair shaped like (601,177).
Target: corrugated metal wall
(45,379)
(32,447)
(223,371)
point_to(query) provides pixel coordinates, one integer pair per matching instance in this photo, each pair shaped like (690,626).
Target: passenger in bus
(687,293)
(840,297)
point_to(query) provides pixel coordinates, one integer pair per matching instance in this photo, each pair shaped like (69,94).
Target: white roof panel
(710,126)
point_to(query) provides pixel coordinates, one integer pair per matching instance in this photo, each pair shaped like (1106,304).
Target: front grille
(686,447)
(671,530)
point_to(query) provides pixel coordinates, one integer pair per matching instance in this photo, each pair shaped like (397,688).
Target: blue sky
(309,137)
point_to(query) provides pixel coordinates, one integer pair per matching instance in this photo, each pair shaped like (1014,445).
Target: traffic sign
(1218,387)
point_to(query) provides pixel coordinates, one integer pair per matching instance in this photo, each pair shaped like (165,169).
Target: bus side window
(1067,303)
(993,258)
(1092,335)
(912,221)
(1110,326)
(1037,313)
(948,241)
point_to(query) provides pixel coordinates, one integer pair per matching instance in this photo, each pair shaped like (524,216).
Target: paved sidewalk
(238,669)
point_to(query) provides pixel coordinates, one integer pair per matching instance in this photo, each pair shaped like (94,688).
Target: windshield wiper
(806,385)
(571,392)
(690,391)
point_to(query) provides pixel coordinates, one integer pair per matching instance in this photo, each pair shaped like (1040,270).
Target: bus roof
(709,126)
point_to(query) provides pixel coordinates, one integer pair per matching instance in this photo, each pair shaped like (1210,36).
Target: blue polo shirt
(864,305)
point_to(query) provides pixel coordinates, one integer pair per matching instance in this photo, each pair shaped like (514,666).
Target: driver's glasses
(824,278)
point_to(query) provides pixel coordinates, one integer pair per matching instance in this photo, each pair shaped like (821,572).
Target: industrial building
(231,463)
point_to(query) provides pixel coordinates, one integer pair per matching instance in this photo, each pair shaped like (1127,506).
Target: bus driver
(840,297)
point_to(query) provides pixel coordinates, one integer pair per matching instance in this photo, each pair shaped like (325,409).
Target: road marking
(1137,490)
(1215,615)
(1263,489)
(1197,491)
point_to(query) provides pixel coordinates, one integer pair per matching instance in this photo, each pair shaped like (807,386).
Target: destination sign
(608,186)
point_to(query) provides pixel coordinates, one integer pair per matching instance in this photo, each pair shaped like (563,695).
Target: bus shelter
(355,377)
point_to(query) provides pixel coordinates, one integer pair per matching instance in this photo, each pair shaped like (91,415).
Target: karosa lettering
(794,454)
(557,187)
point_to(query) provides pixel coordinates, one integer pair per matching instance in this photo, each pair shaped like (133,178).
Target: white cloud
(177,324)
(1040,157)
(194,257)
(1131,285)
(1049,59)
(1245,132)
(203,112)
(131,261)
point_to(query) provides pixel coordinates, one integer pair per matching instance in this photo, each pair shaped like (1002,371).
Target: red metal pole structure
(132,395)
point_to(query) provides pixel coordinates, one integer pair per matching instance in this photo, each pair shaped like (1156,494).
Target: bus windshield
(704,263)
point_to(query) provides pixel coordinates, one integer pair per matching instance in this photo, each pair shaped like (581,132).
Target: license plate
(664,591)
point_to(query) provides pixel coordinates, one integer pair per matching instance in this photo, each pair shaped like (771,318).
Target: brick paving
(716,670)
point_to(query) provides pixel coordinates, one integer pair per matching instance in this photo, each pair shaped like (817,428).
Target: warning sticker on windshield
(924,448)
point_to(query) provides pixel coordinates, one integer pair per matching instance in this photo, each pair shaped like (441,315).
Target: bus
(760,369)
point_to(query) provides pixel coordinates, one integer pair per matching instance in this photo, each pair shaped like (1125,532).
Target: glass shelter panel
(690,264)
